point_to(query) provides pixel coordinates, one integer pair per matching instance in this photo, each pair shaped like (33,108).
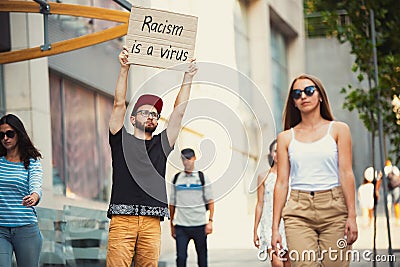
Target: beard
(147,129)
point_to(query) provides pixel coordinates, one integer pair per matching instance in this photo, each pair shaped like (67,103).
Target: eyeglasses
(146,113)
(309,91)
(9,134)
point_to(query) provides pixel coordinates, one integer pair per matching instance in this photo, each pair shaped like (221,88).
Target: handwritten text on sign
(160,39)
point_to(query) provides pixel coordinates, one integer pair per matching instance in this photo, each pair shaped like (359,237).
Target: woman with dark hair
(21,189)
(315,152)
(263,215)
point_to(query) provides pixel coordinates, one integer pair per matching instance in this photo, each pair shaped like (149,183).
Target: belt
(312,193)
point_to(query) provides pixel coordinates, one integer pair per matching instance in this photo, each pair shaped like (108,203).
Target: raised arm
(281,185)
(119,108)
(181,101)
(346,177)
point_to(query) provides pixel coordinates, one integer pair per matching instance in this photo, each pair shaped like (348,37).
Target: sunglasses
(309,91)
(9,134)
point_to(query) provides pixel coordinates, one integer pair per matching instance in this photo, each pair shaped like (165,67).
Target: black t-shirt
(139,175)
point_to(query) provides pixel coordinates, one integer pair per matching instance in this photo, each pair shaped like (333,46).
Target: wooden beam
(65,46)
(71,44)
(67,9)
(19,6)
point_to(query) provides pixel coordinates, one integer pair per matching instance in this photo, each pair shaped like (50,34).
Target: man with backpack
(191,197)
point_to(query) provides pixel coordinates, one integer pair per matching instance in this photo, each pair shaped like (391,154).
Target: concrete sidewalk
(362,248)
(248,258)
(219,258)
(364,244)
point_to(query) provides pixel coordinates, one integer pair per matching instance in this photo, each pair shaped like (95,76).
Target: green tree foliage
(349,21)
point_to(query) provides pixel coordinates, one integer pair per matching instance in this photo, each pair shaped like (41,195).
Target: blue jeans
(183,235)
(26,241)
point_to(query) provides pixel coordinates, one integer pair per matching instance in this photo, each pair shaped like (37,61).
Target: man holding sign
(138,198)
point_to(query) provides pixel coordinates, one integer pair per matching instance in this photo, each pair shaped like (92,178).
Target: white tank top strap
(292,131)
(330,127)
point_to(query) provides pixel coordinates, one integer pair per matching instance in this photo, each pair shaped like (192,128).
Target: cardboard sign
(159,38)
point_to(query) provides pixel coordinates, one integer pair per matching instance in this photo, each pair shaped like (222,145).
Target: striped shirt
(187,197)
(15,183)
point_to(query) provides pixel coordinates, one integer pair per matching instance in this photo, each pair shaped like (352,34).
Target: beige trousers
(314,225)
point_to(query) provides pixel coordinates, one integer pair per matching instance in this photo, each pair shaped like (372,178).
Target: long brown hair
(25,146)
(291,114)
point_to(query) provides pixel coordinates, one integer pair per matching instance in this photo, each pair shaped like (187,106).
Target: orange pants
(314,226)
(137,237)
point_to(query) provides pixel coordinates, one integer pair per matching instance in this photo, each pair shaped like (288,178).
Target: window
(279,74)
(81,154)
(242,51)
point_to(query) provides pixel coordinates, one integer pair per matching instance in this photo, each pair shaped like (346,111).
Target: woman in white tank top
(315,152)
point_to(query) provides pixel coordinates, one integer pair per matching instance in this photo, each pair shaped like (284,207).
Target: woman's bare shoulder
(340,127)
(262,175)
(284,136)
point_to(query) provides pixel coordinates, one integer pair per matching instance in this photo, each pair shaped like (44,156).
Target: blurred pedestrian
(366,196)
(190,198)
(393,198)
(263,214)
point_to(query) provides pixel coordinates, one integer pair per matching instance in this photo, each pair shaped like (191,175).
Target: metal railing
(73,236)
(316,25)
